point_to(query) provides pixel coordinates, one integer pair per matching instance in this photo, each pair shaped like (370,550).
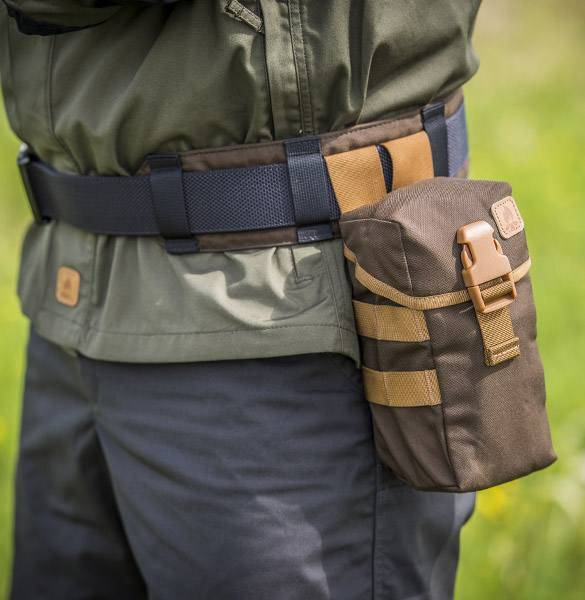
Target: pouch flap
(409,238)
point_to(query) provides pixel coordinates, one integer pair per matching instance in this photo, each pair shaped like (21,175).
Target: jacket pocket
(59,16)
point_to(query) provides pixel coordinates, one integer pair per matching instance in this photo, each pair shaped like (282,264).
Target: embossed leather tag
(507,217)
(68,282)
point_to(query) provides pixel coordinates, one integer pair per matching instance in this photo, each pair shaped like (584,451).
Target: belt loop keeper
(168,200)
(310,188)
(435,125)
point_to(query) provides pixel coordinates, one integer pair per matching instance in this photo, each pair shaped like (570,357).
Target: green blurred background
(526,116)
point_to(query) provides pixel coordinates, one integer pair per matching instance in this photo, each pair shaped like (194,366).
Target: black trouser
(234,480)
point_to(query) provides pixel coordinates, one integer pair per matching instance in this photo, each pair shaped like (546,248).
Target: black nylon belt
(179,205)
(435,125)
(218,201)
(168,203)
(311,189)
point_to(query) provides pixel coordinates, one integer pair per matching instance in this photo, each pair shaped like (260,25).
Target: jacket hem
(196,346)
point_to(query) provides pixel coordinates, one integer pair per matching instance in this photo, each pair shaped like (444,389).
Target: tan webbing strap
(401,388)
(390,323)
(499,340)
(412,159)
(357,177)
(418,302)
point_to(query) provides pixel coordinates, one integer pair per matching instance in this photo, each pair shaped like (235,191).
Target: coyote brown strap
(357,177)
(418,302)
(412,159)
(390,323)
(499,340)
(402,388)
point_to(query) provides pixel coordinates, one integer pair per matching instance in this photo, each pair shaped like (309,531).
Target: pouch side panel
(411,441)
(495,417)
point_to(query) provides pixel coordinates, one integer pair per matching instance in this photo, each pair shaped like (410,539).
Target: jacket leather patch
(68,283)
(507,217)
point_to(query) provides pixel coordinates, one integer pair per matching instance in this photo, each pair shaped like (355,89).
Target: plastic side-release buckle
(24,159)
(483,260)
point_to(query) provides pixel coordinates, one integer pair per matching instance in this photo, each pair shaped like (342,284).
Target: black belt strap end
(435,125)
(24,161)
(168,200)
(310,189)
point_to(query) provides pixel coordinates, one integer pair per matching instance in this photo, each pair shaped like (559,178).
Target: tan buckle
(483,260)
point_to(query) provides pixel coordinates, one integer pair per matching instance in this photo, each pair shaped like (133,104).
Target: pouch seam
(401,230)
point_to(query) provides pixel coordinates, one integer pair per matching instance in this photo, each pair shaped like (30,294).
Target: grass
(526,110)
(13,332)
(526,115)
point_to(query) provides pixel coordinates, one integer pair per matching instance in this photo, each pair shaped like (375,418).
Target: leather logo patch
(68,282)
(507,217)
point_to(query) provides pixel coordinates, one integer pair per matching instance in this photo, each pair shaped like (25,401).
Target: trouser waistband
(255,195)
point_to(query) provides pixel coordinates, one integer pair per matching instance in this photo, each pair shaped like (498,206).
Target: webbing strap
(418,302)
(457,141)
(357,177)
(390,323)
(221,200)
(168,200)
(310,189)
(412,159)
(401,388)
(434,124)
(499,340)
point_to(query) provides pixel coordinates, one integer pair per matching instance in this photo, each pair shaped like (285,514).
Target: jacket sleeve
(51,17)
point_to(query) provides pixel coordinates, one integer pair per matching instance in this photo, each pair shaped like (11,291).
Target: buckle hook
(483,260)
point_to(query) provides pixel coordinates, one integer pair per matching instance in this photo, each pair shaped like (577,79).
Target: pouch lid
(408,240)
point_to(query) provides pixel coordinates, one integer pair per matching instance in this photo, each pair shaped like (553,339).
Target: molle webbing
(447,330)
(358,179)
(420,302)
(249,195)
(412,159)
(390,323)
(405,321)
(401,388)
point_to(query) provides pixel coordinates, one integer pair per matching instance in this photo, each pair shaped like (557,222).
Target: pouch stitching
(448,448)
(416,323)
(378,352)
(434,362)
(502,226)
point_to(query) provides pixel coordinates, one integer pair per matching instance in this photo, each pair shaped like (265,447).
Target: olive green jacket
(95,86)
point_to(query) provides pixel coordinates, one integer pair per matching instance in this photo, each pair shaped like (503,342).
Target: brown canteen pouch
(447,326)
